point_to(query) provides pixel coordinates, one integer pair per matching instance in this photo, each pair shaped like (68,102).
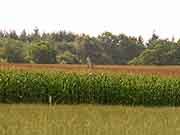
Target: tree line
(69,48)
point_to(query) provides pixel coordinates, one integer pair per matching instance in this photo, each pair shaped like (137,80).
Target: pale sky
(132,17)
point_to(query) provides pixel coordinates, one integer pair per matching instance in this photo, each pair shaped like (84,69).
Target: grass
(88,120)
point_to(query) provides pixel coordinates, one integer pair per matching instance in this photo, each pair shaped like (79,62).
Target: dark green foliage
(13,51)
(42,53)
(44,48)
(67,58)
(161,53)
(73,88)
(106,48)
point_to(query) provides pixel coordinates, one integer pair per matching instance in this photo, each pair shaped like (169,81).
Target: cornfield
(91,88)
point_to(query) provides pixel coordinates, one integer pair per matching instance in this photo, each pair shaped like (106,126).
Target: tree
(45,36)
(126,50)
(14,51)
(162,53)
(67,58)
(42,53)
(13,35)
(121,48)
(88,47)
(23,36)
(36,35)
(140,40)
(152,41)
(63,36)
(1,34)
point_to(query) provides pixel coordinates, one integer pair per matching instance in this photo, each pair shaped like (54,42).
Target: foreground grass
(88,120)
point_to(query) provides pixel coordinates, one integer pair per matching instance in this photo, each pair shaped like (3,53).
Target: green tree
(153,40)
(88,47)
(23,36)
(36,35)
(13,35)
(42,53)
(121,48)
(14,51)
(162,53)
(67,58)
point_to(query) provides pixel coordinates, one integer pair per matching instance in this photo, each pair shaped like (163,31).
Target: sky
(131,17)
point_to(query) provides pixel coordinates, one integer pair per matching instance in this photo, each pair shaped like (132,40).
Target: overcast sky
(132,17)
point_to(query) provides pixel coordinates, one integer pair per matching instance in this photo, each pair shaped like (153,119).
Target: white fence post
(50,100)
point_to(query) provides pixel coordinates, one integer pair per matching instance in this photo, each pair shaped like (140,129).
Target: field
(90,88)
(149,70)
(129,88)
(76,84)
(88,120)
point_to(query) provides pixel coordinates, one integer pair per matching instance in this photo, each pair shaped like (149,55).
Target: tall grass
(99,88)
(88,120)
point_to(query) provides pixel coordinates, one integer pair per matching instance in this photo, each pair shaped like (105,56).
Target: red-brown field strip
(157,70)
